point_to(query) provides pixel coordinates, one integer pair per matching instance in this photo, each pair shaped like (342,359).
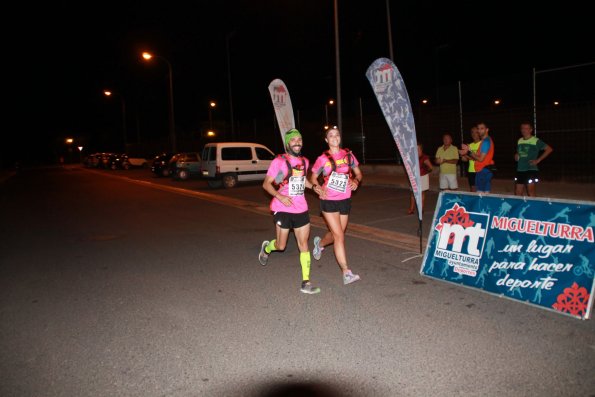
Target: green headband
(291,134)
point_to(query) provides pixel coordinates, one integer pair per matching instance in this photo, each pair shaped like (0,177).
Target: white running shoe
(349,278)
(263,257)
(317,251)
(307,288)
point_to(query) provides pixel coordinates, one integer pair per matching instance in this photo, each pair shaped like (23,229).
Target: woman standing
(425,167)
(342,175)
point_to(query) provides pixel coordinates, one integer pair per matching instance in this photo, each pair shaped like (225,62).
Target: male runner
(286,181)
(530,152)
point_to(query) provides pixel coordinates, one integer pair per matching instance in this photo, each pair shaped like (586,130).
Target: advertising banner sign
(282,105)
(390,91)
(538,251)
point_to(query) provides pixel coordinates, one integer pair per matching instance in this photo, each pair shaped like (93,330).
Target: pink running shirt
(278,170)
(334,191)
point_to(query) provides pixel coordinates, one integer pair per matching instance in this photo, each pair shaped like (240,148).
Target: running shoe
(349,278)
(317,251)
(263,257)
(307,288)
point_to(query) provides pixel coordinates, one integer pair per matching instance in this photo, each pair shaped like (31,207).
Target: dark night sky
(66,53)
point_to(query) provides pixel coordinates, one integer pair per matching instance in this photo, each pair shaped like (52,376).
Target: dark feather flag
(389,87)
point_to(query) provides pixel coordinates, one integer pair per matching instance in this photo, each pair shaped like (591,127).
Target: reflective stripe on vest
(489,157)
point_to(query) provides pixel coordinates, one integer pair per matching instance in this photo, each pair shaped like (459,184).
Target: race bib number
(296,185)
(338,182)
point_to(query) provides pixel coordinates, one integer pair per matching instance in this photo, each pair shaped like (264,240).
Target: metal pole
(125,135)
(390,34)
(421,250)
(461,119)
(229,35)
(361,123)
(338,68)
(137,119)
(172,123)
(210,118)
(461,110)
(326,114)
(580,65)
(534,104)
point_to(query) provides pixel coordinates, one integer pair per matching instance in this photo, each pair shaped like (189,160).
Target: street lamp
(424,101)
(108,93)
(69,140)
(172,133)
(212,105)
(330,102)
(211,133)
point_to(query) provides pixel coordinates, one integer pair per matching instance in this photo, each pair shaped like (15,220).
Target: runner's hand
(322,194)
(285,200)
(353,184)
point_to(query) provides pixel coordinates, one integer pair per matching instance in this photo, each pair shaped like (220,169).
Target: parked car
(137,161)
(119,161)
(227,163)
(160,164)
(104,160)
(184,165)
(92,160)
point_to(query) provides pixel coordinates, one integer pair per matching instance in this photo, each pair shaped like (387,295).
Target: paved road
(111,288)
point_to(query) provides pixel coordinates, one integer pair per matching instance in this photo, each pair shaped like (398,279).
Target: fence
(569,128)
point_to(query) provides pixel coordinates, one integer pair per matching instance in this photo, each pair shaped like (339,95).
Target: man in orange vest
(483,157)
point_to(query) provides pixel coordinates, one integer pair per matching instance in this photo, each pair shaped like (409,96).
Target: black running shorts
(288,220)
(526,177)
(343,207)
(471,178)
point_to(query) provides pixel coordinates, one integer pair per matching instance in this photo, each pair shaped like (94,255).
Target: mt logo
(461,239)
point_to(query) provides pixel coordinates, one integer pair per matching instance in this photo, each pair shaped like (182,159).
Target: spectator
(527,157)
(473,146)
(425,167)
(484,159)
(447,156)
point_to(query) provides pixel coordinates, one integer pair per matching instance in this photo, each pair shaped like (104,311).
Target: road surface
(111,287)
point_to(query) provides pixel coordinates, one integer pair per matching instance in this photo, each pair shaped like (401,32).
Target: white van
(227,163)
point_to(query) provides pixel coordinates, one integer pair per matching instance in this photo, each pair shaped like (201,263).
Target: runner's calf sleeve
(305,262)
(271,247)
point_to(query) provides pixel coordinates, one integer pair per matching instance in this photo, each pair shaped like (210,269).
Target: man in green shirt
(447,157)
(528,156)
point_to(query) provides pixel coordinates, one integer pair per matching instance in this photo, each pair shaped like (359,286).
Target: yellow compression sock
(271,247)
(305,262)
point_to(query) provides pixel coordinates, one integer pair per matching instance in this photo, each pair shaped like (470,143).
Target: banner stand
(538,251)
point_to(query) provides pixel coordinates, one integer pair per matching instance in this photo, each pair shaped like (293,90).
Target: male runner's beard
(295,153)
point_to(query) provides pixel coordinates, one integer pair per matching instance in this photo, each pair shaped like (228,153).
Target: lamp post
(330,102)
(212,105)
(69,142)
(338,67)
(227,38)
(108,93)
(172,133)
